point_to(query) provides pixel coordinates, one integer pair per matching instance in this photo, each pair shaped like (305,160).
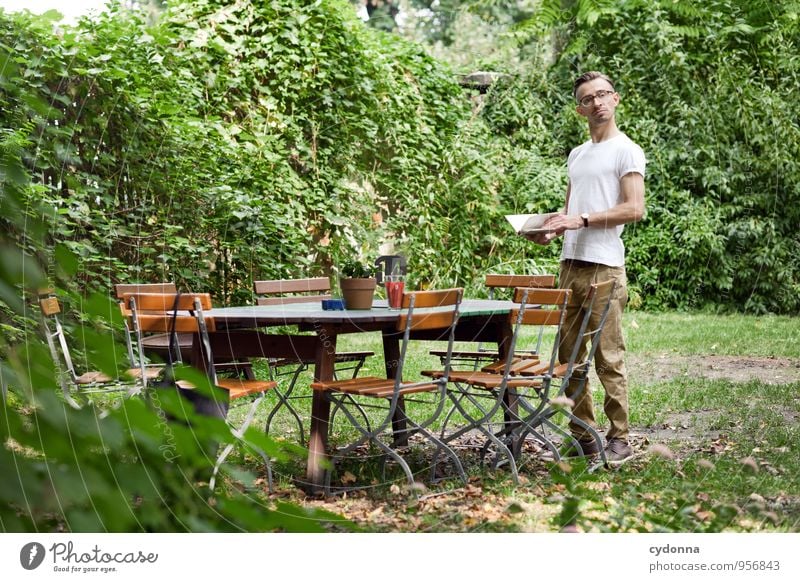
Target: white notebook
(530,223)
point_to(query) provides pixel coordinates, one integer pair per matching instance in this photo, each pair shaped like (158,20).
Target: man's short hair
(589,76)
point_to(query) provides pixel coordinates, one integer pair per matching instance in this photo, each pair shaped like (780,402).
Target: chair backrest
(122,288)
(60,352)
(429,310)
(153,312)
(445,299)
(540,307)
(50,306)
(282,291)
(173,313)
(493,282)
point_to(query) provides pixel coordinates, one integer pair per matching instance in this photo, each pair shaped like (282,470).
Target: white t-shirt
(595,170)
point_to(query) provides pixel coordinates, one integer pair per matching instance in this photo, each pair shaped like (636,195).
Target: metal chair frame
(495,283)
(281,292)
(151,343)
(158,343)
(342,393)
(541,307)
(153,312)
(540,414)
(89,382)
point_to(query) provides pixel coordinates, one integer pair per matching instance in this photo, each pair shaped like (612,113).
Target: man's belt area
(577,264)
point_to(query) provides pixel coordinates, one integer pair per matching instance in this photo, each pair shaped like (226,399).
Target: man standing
(605,192)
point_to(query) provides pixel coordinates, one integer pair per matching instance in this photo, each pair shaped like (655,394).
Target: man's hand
(558,224)
(541,238)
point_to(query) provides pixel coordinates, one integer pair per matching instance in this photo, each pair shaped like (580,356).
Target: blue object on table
(332,305)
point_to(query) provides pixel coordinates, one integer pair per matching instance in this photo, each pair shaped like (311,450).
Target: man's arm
(631,209)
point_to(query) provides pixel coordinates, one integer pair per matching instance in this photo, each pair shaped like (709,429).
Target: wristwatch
(585,217)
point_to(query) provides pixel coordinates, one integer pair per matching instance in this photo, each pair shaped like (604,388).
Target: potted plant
(357,282)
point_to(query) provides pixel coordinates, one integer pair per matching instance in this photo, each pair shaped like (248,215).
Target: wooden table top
(299,313)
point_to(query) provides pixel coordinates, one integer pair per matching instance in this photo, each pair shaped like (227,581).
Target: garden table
(242,332)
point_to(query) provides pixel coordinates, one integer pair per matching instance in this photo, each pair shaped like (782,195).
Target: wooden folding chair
(423,310)
(489,356)
(185,313)
(152,344)
(549,398)
(73,385)
(157,344)
(285,291)
(479,396)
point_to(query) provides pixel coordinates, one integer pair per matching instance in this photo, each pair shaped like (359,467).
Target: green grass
(705,334)
(727,450)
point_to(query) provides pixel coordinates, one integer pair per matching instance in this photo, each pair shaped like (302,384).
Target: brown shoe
(588,449)
(618,451)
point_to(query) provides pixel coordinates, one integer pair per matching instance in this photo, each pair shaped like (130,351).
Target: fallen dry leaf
(750,463)
(472,491)
(661,450)
(704,515)
(562,402)
(706,464)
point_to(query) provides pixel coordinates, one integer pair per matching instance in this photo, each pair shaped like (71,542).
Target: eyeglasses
(589,99)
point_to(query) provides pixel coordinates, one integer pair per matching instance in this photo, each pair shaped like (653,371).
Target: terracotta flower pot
(358,293)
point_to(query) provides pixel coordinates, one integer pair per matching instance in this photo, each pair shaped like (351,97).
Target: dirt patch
(645,370)
(690,426)
(695,426)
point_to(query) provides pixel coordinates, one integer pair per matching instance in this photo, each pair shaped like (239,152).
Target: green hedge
(708,91)
(234,141)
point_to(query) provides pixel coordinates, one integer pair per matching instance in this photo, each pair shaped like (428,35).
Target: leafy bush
(229,143)
(141,467)
(355,269)
(707,92)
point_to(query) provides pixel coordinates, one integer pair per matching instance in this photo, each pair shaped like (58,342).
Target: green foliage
(130,471)
(231,142)
(355,269)
(140,467)
(174,151)
(706,90)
